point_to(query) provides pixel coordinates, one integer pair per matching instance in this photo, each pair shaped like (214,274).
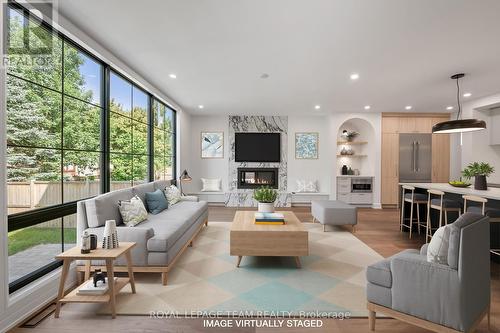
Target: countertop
(492,193)
(353,176)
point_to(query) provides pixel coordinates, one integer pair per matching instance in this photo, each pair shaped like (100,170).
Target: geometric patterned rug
(331,280)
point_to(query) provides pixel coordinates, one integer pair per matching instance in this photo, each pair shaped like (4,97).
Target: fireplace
(257,177)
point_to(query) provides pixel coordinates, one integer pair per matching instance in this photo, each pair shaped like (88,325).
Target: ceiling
(403,50)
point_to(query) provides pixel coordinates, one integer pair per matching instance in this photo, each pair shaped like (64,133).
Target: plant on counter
(478,170)
(266,197)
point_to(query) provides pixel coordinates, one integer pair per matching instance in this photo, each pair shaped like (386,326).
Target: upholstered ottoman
(333,212)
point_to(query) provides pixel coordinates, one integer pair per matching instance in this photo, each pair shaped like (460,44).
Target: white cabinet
(348,190)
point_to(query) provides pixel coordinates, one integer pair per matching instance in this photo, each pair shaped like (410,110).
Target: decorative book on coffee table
(269,218)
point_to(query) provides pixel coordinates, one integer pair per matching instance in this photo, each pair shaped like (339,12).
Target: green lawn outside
(23,239)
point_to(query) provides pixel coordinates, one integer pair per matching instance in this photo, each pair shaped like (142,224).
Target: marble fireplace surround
(258,124)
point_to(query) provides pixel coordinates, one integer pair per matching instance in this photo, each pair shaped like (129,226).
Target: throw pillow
(211,185)
(173,195)
(156,201)
(133,211)
(306,186)
(437,251)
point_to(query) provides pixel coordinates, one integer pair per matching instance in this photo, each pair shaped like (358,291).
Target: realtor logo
(25,34)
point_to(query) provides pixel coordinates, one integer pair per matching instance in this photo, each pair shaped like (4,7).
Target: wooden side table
(109,256)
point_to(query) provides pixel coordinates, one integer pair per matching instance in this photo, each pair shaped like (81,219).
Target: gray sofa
(441,298)
(160,239)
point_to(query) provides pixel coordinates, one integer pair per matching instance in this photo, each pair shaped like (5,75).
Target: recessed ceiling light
(200,106)
(408,107)
(317,107)
(354,76)
(172,76)
(264,76)
(449,107)
(367,107)
(467,95)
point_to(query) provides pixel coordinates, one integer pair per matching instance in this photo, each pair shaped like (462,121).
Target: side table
(109,256)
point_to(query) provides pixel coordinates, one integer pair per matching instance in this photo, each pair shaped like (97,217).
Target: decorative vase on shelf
(343,151)
(110,235)
(480,183)
(344,170)
(266,207)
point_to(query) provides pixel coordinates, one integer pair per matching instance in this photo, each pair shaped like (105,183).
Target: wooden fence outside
(25,196)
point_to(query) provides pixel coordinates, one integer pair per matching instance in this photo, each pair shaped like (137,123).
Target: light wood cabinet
(390,168)
(440,158)
(392,125)
(423,125)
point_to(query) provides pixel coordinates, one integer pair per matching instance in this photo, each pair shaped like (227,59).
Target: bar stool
(492,213)
(414,199)
(442,205)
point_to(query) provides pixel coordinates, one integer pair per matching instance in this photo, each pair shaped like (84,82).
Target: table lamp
(185,177)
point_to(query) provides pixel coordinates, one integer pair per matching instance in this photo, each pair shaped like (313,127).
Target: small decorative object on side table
(110,238)
(115,285)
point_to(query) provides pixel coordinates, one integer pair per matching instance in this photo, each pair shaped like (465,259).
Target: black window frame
(59,211)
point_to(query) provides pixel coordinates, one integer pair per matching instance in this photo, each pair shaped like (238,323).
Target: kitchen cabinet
(394,124)
(390,168)
(390,125)
(440,158)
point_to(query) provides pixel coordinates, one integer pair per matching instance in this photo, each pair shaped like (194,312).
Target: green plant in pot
(479,171)
(266,197)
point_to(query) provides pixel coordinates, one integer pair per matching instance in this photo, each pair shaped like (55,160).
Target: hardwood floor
(377,228)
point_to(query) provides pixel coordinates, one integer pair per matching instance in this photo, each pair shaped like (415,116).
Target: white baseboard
(377,205)
(26,302)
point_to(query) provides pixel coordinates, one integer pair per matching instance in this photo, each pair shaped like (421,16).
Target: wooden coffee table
(250,239)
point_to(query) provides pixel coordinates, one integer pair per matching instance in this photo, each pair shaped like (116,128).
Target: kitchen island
(492,193)
(456,193)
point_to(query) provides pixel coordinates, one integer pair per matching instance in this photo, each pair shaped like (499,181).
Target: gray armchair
(441,298)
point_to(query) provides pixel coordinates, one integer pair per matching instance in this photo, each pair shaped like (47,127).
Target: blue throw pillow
(156,201)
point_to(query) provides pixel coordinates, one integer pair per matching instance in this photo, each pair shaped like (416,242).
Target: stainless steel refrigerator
(415,158)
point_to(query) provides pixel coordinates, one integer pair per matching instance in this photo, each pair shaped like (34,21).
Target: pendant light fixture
(459,125)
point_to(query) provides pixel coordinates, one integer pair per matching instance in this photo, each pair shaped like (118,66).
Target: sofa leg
(324,227)
(191,244)
(164,276)
(371,319)
(206,223)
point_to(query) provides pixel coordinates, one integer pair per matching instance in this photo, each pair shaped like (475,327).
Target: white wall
(475,145)
(183,142)
(324,169)
(297,169)
(201,167)
(317,169)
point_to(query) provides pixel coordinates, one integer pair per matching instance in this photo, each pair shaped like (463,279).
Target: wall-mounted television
(257,147)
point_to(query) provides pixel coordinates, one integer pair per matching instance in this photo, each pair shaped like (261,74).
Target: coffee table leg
(128,256)
(297,262)
(60,295)
(111,283)
(239,261)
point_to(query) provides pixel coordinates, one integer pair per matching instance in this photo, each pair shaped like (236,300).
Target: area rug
(206,279)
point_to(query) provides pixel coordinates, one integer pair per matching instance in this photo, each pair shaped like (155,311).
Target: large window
(164,136)
(129,127)
(69,139)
